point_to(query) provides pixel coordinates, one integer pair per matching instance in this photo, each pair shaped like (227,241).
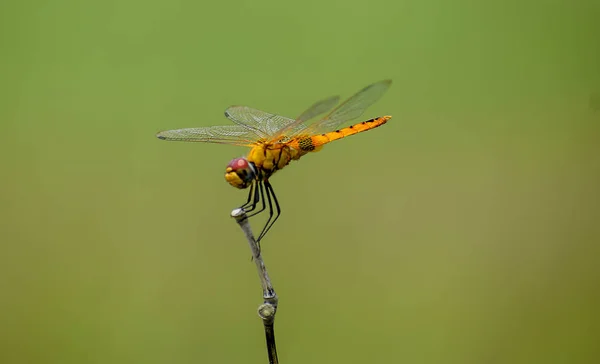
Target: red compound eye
(240,173)
(239,163)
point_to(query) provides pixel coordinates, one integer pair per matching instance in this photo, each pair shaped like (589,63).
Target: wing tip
(382,85)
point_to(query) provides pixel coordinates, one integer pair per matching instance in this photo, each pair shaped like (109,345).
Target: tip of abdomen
(378,121)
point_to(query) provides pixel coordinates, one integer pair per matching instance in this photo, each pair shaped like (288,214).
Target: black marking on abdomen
(306,144)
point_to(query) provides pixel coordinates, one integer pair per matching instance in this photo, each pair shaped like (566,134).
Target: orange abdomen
(313,142)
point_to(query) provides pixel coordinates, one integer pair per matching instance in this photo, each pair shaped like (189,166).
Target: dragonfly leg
(262,233)
(251,203)
(257,198)
(251,194)
(269,224)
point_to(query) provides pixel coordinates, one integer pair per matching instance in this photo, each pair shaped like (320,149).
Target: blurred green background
(463,231)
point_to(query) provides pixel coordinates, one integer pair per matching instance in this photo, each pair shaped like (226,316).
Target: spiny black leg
(262,196)
(250,195)
(262,233)
(260,188)
(270,193)
(254,200)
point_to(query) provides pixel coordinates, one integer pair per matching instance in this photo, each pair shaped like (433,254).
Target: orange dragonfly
(277,140)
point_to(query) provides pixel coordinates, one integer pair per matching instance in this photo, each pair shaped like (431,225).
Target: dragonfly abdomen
(312,143)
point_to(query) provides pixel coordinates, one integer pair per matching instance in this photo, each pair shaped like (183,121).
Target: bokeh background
(463,231)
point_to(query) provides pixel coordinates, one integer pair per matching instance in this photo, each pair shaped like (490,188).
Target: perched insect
(277,140)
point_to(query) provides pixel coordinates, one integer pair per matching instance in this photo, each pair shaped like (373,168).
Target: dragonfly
(277,140)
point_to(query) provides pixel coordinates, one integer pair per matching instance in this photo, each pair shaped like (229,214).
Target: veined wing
(318,108)
(225,134)
(350,109)
(262,123)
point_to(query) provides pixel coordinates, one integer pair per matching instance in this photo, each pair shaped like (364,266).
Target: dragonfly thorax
(240,173)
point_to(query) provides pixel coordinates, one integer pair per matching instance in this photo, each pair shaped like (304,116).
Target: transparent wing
(226,134)
(262,123)
(253,125)
(316,109)
(350,109)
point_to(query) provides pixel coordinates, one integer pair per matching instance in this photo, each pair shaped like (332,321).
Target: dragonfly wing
(264,124)
(226,134)
(350,109)
(316,109)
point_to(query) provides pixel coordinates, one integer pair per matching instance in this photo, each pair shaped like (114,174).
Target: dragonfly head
(240,173)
